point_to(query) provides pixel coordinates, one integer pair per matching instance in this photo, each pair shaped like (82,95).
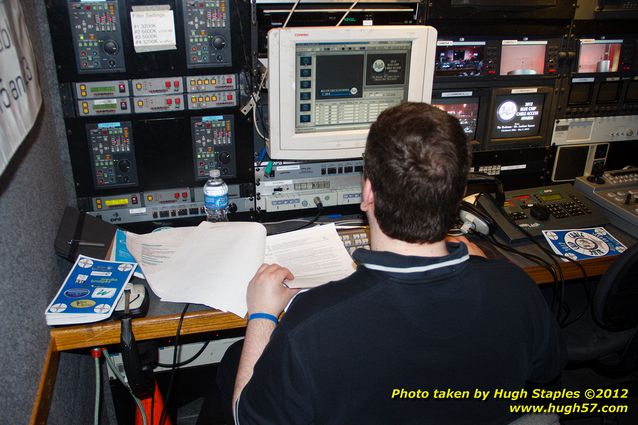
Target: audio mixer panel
(112,154)
(207,33)
(97,36)
(213,145)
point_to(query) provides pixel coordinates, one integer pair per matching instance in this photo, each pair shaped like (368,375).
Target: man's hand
(266,291)
(472,248)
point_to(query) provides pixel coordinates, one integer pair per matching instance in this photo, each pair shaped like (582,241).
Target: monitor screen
(327,85)
(580,93)
(459,58)
(346,85)
(599,55)
(517,115)
(632,92)
(523,57)
(465,110)
(609,92)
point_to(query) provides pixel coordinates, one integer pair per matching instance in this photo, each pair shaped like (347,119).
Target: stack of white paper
(212,263)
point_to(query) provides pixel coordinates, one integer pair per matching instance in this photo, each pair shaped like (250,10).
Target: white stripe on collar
(418,268)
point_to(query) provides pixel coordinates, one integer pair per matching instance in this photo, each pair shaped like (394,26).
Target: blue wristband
(263,316)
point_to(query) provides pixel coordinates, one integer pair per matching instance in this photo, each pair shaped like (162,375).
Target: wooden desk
(156,326)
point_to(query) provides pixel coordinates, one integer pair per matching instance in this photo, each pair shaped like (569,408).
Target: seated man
(419,315)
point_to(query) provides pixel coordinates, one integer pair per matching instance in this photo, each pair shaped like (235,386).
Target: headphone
(475,220)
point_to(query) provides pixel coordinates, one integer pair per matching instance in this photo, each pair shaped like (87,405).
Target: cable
(96,357)
(290,13)
(307,223)
(118,375)
(347,12)
(185,362)
(174,365)
(560,283)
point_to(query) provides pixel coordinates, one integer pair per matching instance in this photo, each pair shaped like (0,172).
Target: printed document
(212,263)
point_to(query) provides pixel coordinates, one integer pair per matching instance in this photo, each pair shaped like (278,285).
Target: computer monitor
(326,85)
(523,57)
(519,116)
(599,55)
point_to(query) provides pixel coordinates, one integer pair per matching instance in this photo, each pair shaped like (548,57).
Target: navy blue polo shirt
(344,351)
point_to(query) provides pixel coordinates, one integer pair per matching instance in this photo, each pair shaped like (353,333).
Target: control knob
(124,165)
(539,212)
(219,42)
(110,47)
(224,157)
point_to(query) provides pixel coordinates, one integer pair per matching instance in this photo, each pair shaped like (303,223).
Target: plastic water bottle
(216,197)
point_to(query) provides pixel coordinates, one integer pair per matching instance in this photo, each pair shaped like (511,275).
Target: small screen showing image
(523,59)
(459,59)
(599,56)
(517,115)
(465,110)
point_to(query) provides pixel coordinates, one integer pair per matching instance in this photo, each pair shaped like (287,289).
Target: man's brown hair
(417,161)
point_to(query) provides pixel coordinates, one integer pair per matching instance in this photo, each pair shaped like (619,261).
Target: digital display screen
(632,92)
(523,57)
(580,93)
(345,86)
(517,115)
(459,59)
(608,92)
(550,197)
(116,202)
(465,110)
(599,55)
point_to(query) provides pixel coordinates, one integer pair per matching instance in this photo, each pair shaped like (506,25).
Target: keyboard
(355,238)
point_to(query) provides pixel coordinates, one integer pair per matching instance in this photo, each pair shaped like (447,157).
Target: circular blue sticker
(76,293)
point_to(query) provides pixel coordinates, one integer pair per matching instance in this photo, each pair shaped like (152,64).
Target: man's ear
(367,196)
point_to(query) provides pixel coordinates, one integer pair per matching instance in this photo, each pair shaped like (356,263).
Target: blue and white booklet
(582,244)
(90,291)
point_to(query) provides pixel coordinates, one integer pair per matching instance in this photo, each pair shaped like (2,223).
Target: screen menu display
(523,57)
(465,110)
(345,86)
(599,55)
(517,115)
(459,59)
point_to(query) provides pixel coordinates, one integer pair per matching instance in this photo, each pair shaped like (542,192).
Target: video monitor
(632,92)
(459,58)
(328,84)
(580,93)
(608,92)
(466,110)
(523,57)
(518,114)
(599,55)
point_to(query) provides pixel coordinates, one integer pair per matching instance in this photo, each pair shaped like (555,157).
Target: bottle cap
(214,173)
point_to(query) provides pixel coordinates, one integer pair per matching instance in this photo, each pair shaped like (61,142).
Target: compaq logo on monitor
(305,34)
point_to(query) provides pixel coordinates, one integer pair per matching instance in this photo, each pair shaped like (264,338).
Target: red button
(229,80)
(169,101)
(168,84)
(491,71)
(176,83)
(230,97)
(178,100)
(133,200)
(176,195)
(184,195)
